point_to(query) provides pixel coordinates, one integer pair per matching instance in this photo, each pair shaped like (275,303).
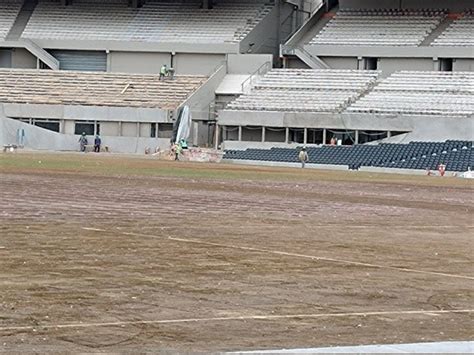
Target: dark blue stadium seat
(456,155)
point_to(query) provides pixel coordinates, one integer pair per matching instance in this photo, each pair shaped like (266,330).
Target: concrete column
(109,61)
(263,134)
(156,129)
(217,136)
(240,134)
(287,134)
(356,137)
(389,134)
(435,64)
(195,133)
(305,136)
(138,129)
(324,136)
(360,63)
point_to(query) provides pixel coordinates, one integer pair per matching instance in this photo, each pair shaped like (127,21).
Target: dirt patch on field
(213,258)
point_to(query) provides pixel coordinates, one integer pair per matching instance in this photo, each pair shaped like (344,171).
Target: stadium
(153,196)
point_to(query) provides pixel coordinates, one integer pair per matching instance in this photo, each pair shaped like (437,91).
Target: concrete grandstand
(255,74)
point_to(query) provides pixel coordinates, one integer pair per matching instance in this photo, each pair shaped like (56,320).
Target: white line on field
(93,229)
(312,257)
(236,318)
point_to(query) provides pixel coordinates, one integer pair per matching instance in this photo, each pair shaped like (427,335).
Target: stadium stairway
(21,20)
(456,155)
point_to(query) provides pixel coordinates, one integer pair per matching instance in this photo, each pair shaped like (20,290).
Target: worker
(303,157)
(83,142)
(178,151)
(163,72)
(183,143)
(97,144)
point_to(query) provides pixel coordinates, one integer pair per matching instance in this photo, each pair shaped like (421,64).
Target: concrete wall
(137,62)
(406,4)
(5,58)
(264,36)
(341,62)
(150,63)
(200,100)
(295,63)
(420,127)
(390,52)
(246,63)
(391,65)
(85,113)
(463,64)
(109,128)
(361,4)
(131,46)
(23,59)
(41,139)
(196,64)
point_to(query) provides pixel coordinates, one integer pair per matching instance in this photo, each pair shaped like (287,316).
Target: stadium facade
(254,73)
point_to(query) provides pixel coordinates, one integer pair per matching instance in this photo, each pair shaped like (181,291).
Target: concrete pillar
(195,133)
(356,137)
(217,136)
(109,61)
(360,63)
(324,136)
(287,134)
(138,129)
(156,129)
(263,134)
(240,134)
(305,136)
(389,134)
(435,63)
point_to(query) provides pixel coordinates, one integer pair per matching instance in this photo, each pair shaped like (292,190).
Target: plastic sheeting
(184,127)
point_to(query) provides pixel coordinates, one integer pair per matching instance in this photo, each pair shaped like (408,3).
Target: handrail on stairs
(262,70)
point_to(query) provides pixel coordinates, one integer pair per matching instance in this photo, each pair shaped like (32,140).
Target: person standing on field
(303,157)
(97,144)
(83,142)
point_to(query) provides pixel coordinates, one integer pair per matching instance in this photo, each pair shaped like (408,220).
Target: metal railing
(249,82)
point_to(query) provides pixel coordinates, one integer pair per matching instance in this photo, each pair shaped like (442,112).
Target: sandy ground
(214,257)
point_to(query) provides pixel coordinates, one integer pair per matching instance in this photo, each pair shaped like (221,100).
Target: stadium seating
(8,13)
(157,21)
(459,33)
(456,155)
(421,93)
(305,90)
(378,28)
(95,89)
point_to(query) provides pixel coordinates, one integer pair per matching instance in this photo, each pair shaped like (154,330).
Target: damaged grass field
(118,253)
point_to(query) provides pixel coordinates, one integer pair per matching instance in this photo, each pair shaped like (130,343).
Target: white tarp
(184,128)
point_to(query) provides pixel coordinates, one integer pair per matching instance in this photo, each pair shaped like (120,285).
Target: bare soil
(222,258)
